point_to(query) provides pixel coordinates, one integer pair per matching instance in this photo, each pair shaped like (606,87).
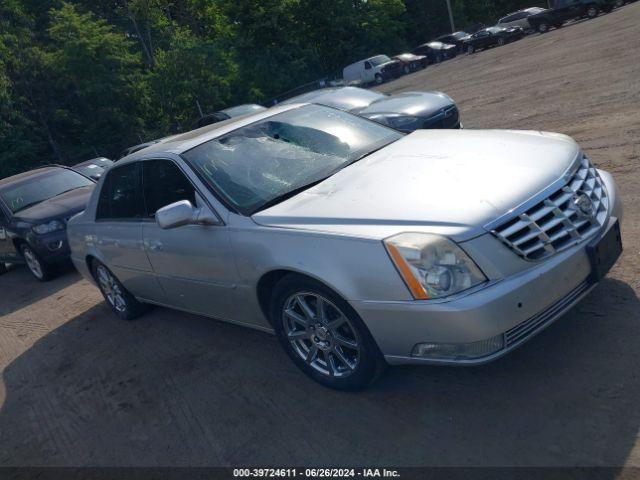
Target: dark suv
(562,11)
(34,209)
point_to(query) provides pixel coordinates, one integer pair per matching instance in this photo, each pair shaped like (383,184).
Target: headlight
(399,122)
(48,227)
(432,266)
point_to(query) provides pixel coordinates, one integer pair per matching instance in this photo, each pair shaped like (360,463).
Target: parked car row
(511,27)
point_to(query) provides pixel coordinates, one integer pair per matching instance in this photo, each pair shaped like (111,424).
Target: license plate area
(604,252)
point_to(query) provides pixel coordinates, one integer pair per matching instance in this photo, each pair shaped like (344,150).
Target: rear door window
(121,196)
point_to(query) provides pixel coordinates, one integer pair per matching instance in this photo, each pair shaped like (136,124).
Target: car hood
(449,182)
(64,205)
(409,103)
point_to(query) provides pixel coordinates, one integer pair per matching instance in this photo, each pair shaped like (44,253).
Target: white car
(519,18)
(370,70)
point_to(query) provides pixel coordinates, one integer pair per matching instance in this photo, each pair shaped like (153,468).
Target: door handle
(156,246)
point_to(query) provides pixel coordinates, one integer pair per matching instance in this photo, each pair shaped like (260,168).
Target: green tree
(97,82)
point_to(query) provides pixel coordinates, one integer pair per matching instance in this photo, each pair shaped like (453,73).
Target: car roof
(178,144)
(23,176)
(407,55)
(342,98)
(95,160)
(232,111)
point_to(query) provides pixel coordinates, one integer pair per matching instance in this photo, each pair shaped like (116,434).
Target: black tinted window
(120,197)
(164,183)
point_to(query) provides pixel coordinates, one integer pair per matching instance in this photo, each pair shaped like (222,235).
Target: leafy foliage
(82,78)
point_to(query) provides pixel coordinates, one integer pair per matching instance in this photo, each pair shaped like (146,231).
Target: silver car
(357,245)
(519,18)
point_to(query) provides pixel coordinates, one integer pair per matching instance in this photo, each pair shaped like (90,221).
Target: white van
(370,70)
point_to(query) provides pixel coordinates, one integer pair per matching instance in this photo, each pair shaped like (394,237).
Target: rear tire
(41,270)
(119,299)
(3,268)
(543,27)
(592,11)
(501,42)
(470,49)
(323,335)
(406,70)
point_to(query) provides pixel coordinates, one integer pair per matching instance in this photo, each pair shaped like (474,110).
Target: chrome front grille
(445,118)
(564,218)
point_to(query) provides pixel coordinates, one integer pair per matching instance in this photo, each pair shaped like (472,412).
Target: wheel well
(17,242)
(89,260)
(269,280)
(266,285)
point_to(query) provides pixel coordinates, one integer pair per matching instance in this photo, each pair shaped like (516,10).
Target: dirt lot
(80,387)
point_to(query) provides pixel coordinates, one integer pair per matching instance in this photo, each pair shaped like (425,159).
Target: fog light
(459,351)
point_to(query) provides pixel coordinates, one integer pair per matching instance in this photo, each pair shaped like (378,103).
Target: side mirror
(182,213)
(175,215)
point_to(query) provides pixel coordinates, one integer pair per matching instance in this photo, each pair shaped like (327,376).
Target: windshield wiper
(289,194)
(365,154)
(295,191)
(65,191)
(24,207)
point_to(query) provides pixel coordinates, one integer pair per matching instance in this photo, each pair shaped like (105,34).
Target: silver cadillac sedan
(357,245)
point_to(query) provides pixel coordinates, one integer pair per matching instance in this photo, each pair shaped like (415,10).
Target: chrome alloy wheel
(321,335)
(32,262)
(111,289)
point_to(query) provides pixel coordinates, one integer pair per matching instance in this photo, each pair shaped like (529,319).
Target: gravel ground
(80,387)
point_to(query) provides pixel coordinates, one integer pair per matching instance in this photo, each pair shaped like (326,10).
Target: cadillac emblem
(583,204)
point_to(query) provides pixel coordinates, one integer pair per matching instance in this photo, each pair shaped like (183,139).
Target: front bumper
(513,309)
(52,247)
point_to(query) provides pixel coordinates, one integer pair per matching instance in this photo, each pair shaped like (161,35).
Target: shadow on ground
(176,389)
(20,275)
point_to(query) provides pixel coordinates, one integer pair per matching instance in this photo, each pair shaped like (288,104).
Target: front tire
(470,49)
(543,27)
(3,268)
(501,42)
(323,335)
(592,11)
(41,270)
(378,79)
(119,299)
